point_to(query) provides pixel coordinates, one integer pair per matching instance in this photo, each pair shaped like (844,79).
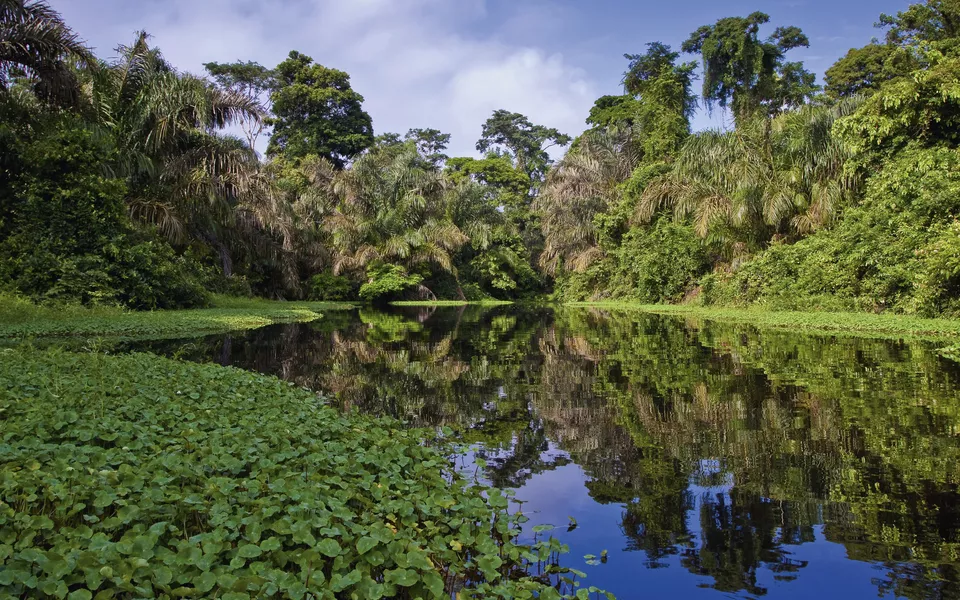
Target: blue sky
(448,64)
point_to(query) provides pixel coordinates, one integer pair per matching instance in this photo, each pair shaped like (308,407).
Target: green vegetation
(137,475)
(450,303)
(22,319)
(852,322)
(834,199)
(801,438)
(123,197)
(842,201)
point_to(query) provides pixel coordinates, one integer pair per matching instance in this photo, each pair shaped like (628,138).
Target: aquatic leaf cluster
(136,476)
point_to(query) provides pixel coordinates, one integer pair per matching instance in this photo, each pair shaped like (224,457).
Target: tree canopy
(315,111)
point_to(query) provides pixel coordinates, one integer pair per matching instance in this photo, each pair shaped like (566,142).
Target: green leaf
(328,547)
(163,576)
(402,577)
(205,582)
(365,544)
(249,551)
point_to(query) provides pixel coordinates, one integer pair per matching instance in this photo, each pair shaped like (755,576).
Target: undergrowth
(136,476)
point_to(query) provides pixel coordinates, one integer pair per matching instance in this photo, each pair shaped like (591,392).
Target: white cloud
(418,63)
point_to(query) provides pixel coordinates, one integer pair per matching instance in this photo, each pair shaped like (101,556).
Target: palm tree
(767,179)
(586,182)
(186,179)
(390,207)
(36,45)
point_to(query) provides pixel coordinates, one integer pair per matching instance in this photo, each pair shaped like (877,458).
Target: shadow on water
(709,460)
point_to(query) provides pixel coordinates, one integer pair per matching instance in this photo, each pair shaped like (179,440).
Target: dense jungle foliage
(123,183)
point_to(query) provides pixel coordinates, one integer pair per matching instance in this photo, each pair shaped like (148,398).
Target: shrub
(65,234)
(137,476)
(659,263)
(892,252)
(327,287)
(387,281)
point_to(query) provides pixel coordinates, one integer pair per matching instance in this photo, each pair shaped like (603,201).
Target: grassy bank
(20,318)
(886,325)
(142,476)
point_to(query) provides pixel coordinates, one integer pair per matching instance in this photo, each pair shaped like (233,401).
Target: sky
(448,64)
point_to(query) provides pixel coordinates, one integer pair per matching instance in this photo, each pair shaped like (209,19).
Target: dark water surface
(709,461)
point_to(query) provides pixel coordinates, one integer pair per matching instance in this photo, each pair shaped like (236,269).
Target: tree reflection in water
(727,448)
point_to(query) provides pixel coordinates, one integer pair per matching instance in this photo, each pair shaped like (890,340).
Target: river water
(707,460)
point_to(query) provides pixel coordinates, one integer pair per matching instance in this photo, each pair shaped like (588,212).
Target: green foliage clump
(660,263)
(317,112)
(64,231)
(894,251)
(136,476)
(387,281)
(72,320)
(327,286)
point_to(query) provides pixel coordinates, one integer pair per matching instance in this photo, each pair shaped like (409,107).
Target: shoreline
(859,323)
(226,315)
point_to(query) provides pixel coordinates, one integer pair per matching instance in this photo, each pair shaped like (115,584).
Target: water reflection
(706,459)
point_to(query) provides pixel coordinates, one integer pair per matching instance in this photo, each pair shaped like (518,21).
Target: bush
(893,252)
(137,476)
(660,263)
(65,234)
(386,281)
(327,287)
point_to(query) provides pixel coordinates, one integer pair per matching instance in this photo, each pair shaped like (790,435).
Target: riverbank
(23,319)
(884,325)
(442,303)
(271,490)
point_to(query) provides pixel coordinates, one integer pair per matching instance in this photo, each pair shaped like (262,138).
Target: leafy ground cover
(21,318)
(136,476)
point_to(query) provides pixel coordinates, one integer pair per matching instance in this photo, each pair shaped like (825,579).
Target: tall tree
(184,178)
(929,21)
(317,112)
(391,208)
(524,142)
(744,187)
(614,111)
(430,143)
(250,78)
(36,45)
(863,70)
(749,74)
(666,102)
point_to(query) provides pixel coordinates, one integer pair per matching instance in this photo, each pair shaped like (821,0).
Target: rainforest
(252,346)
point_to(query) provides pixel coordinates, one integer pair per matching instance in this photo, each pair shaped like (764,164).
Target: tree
(36,45)
(930,21)
(922,109)
(430,143)
(665,100)
(743,187)
(584,184)
(524,142)
(863,70)
(317,112)
(191,183)
(658,59)
(614,111)
(749,74)
(391,209)
(250,78)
